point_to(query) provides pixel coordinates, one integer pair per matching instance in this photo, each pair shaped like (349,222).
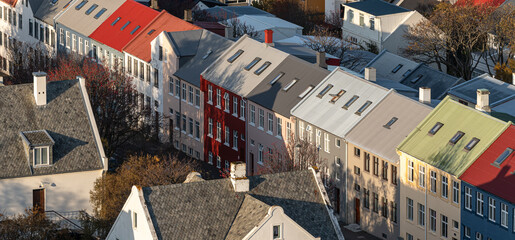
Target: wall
(351,28)
(63,192)
(290,230)
(396,41)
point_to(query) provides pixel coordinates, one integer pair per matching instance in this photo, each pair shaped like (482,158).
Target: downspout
(346,180)
(425,200)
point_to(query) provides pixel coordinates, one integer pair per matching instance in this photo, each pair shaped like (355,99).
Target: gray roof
(500,91)
(37,138)
(376,7)
(356,60)
(385,62)
(217,212)
(331,117)
(34,5)
(78,21)
(439,82)
(65,118)
(228,12)
(185,43)
(208,41)
(276,99)
(371,135)
(47,11)
(297,50)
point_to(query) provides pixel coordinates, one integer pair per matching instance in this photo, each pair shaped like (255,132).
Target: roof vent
(483,98)
(239,180)
(40,88)
(424,95)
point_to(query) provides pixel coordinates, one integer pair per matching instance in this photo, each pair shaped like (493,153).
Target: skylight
(337,96)
(91,9)
(390,123)
(363,108)
(287,87)
(325,90)
(262,68)
(502,157)
(252,64)
(276,78)
(115,21)
(236,55)
(350,102)
(135,29)
(80,5)
(396,69)
(125,25)
(102,11)
(151,31)
(303,94)
(471,144)
(207,54)
(456,137)
(406,73)
(435,128)
(414,80)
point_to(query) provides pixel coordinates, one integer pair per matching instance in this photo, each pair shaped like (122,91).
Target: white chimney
(513,78)
(2,81)
(424,95)
(321,60)
(239,180)
(483,100)
(40,88)
(370,74)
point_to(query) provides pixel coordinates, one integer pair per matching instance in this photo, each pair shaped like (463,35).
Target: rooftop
(376,7)
(499,90)
(228,12)
(47,11)
(391,66)
(424,76)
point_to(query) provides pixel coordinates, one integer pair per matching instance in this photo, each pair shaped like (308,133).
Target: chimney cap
(39,74)
(483,91)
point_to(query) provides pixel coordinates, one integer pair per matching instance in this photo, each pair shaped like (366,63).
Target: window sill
(210,136)
(218,140)
(170,94)
(235,115)
(260,163)
(226,110)
(183,132)
(184,100)
(252,124)
(190,135)
(198,139)
(197,106)
(261,128)
(242,118)
(279,137)
(271,133)
(235,149)
(209,102)
(227,144)
(218,106)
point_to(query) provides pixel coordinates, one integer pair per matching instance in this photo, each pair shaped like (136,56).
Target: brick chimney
(321,60)
(269,37)
(483,100)
(424,95)
(239,180)
(40,88)
(370,74)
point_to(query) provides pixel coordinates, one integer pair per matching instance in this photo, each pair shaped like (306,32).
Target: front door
(357,210)
(38,200)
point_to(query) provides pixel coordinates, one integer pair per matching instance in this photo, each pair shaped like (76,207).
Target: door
(357,210)
(251,164)
(38,200)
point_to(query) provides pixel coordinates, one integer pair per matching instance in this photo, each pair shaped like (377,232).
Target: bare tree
(31,225)
(24,59)
(501,40)
(240,28)
(322,39)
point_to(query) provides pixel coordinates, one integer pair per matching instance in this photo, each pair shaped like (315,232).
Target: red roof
(10,2)
(140,45)
(130,11)
(496,180)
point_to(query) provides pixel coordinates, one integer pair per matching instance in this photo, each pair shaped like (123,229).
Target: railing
(68,220)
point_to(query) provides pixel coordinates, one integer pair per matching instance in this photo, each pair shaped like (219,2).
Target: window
(363,108)
(178,88)
(409,236)
(242,111)
(20,22)
(491,209)
(422,176)
(409,209)
(218,98)
(235,106)
(276,78)
(197,97)
(134,220)
(252,114)
(357,171)
(261,118)
(207,54)
(375,204)
(390,123)
(270,123)
(235,140)
(504,215)
(218,131)
(41,156)
(337,96)
(125,25)
(74,42)
(385,170)
(218,162)
(503,157)
(262,68)
(227,135)
(455,192)
(456,137)
(252,64)
(226,100)
(421,215)
(197,130)
(376,165)
(432,220)
(393,211)
(170,86)
(115,21)
(366,163)
(471,144)
(414,80)
(160,51)
(183,122)
(260,153)
(361,19)
(235,56)
(210,158)
(136,29)
(366,198)
(31,27)
(276,232)
(372,23)
(177,116)
(479,236)
(466,231)
(67,44)
(444,225)
(479,203)
(468,198)
(91,9)
(350,102)
(325,90)
(433,181)
(410,170)
(394,175)
(288,131)
(303,94)
(445,186)
(326,142)
(102,11)
(397,68)
(210,94)
(350,15)
(435,128)
(210,128)
(81,45)
(301,130)
(287,87)
(384,208)
(357,152)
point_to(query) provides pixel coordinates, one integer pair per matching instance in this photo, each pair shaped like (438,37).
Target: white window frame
(421,214)
(218,98)
(227,135)
(318,136)
(279,127)
(235,140)
(218,131)
(422,176)
(242,109)
(491,209)
(81,45)
(261,123)
(326,142)
(409,209)
(411,170)
(432,220)
(210,94)
(260,153)
(210,128)
(270,123)
(479,203)
(235,106)
(197,98)
(445,187)
(226,101)
(504,215)
(74,42)
(41,160)
(252,120)
(455,192)
(218,162)
(468,198)
(433,183)
(210,158)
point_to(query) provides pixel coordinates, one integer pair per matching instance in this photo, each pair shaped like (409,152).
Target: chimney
(269,37)
(154,4)
(424,95)
(513,78)
(321,60)
(238,177)
(188,17)
(483,98)
(229,31)
(370,74)
(40,88)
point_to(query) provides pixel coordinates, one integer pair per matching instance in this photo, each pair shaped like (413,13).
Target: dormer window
(41,156)
(38,147)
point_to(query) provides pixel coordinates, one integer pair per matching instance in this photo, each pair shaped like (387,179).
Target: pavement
(353,232)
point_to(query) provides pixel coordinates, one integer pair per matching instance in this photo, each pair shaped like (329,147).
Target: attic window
(115,21)
(504,155)
(41,156)
(151,31)
(337,96)
(350,102)
(396,69)
(135,29)
(276,78)
(38,147)
(390,123)
(471,144)
(252,64)
(236,55)
(287,87)
(456,137)
(325,90)
(303,94)
(207,54)
(414,80)
(262,68)
(80,5)
(91,9)
(363,108)
(435,128)
(100,13)
(125,25)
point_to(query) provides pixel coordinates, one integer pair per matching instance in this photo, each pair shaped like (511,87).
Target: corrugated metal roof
(48,11)
(386,62)
(331,116)
(424,76)
(376,7)
(371,134)
(499,90)
(437,150)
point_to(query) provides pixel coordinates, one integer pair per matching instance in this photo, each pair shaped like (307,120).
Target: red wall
(227,153)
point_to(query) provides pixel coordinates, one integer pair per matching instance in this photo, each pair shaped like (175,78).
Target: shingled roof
(65,119)
(213,210)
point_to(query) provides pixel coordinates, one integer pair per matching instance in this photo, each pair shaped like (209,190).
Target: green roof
(437,150)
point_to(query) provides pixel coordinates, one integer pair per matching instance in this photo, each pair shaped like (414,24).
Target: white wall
(63,192)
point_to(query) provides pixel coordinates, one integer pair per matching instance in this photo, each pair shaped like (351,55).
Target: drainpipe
(346,180)
(425,199)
